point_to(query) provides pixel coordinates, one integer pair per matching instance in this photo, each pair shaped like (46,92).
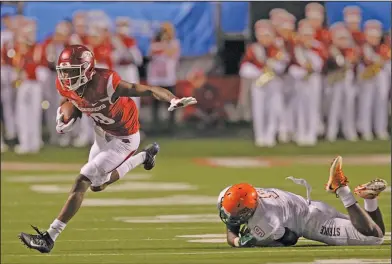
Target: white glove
(182,102)
(62,127)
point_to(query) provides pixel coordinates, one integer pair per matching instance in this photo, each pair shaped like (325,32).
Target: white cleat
(371,189)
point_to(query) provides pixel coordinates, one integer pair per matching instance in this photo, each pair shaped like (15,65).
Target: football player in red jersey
(102,95)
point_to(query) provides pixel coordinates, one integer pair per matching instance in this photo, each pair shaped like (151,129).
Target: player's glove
(246,241)
(181,102)
(62,127)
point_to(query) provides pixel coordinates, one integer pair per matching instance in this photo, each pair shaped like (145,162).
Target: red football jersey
(119,118)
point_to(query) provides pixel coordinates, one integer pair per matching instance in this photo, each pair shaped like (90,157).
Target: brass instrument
(371,71)
(303,61)
(269,74)
(17,62)
(340,73)
(377,63)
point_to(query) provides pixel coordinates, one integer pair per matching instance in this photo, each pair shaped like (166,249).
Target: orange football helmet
(238,204)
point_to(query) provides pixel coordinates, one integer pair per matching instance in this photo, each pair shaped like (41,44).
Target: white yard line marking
(128,229)
(121,187)
(228,251)
(184,218)
(172,200)
(33,178)
(99,240)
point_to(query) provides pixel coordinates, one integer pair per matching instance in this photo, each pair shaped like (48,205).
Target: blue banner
(8,9)
(193,21)
(370,10)
(235,17)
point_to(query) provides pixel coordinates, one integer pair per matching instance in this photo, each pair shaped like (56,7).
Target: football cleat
(371,189)
(151,152)
(41,242)
(336,176)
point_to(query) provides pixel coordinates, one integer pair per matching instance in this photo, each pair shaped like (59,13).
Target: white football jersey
(276,210)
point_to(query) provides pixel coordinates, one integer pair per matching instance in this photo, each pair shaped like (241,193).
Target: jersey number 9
(100,118)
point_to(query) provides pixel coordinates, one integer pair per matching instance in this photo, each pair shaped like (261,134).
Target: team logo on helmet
(86,55)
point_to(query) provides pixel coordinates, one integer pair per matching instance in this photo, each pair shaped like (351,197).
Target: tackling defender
(272,217)
(102,95)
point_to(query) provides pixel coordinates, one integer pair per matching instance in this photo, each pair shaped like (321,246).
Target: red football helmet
(75,66)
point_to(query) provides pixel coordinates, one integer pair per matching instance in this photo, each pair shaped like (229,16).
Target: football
(69,111)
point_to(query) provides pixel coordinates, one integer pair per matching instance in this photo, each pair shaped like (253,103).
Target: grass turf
(95,236)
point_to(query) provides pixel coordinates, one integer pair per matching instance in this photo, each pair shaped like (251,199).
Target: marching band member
(309,56)
(79,23)
(164,56)
(126,55)
(264,60)
(29,92)
(285,27)
(352,18)
(7,92)
(315,14)
(50,50)
(343,57)
(247,78)
(373,99)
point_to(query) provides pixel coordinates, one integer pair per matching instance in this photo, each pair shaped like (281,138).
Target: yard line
(101,240)
(278,251)
(130,228)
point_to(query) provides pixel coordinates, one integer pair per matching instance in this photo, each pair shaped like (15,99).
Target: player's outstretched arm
(125,89)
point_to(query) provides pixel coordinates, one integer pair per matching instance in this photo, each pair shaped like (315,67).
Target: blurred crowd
(306,81)
(28,72)
(299,80)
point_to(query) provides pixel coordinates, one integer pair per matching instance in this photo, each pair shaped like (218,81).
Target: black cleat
(151,152)
(41,242)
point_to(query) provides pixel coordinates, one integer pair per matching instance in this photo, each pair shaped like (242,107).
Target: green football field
(168,215)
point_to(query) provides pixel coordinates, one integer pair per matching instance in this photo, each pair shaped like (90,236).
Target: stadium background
(169,215)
